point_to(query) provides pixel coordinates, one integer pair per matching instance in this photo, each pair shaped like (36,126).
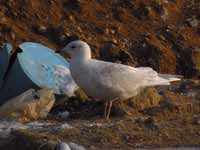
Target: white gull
(110,81)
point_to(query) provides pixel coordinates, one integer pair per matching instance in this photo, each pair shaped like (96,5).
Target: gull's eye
(73,47)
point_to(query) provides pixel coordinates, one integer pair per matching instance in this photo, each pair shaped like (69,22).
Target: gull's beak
(68,55)
(65,53)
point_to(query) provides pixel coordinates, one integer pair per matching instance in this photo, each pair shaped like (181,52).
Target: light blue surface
(45,67)
(40,53)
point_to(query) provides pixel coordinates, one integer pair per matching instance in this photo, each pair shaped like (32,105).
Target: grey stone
(193,22)
(62,146)
(75,146)
(63,115)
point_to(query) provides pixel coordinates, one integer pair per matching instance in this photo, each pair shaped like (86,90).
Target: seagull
(109,81)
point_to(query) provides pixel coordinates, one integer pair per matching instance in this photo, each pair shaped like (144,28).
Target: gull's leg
(105,109)
(109,110)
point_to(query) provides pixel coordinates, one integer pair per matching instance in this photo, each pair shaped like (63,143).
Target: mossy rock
(81,96)
(148,98)
(66,103)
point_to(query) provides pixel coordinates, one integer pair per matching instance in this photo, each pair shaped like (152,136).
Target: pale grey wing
(124,77)
(116,75)
(152,78)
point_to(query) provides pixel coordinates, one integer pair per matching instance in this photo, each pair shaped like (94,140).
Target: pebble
(42,29)
(161,37)
(66,126)
(107,31)
(71,18)
(112,31)
(62,38)
(114,41)
(79,29)
(69,146)
(62,146)
(3,20)
(63,115)
(197,49)
(198,122)
(63,126)
(193,22)
(164,14)
(75,146)
(13,35)
(144,45)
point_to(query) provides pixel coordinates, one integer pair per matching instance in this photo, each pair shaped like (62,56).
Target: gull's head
(78,49)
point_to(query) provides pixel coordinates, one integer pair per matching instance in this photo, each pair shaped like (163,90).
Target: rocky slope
(156,33)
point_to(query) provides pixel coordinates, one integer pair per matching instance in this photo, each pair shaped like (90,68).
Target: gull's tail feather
(152,78)
(170,77)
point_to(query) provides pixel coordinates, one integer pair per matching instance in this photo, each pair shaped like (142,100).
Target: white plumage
(110,81)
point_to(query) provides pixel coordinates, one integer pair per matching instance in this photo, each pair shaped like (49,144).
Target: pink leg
(105,109)
(109,110)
